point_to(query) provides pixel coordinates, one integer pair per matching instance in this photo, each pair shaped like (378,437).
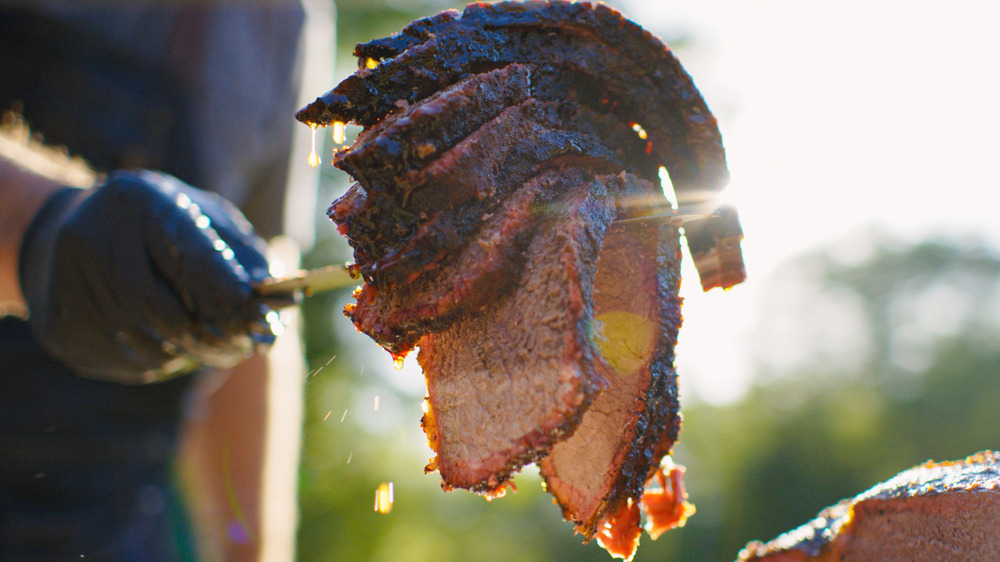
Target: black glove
(144,278)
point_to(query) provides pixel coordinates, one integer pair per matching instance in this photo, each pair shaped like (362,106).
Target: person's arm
(29,175)
(136,280)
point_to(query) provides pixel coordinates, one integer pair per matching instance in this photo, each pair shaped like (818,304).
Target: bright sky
(835,116)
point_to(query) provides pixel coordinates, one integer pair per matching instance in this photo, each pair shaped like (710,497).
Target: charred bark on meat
(583,53)
(610,54)
(500,146)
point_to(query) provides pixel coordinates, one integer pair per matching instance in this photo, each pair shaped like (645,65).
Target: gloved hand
(144,278)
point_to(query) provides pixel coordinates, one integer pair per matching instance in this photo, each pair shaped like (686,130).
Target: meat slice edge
(633,424)
(616,66)
(416,136)
(394,240)
(933,511)
(680,125)
(507,382)
(485,269)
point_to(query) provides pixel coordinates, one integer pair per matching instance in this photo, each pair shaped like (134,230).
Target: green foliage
(823,431)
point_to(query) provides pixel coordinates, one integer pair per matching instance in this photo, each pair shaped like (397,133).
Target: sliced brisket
(586,54)
(408,139)
(482,271)
(682,129)
(931,512)
(507,382)
(634,422)
(437,207)
(626,62)
(501,145)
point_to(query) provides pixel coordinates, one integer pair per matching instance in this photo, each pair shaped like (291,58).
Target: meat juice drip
(666,507)
(314,159)
(619,531)
(339,132)
(384,498)
(429,424)
(500,491)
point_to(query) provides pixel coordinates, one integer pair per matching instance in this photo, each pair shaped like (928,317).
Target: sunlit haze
(836,117)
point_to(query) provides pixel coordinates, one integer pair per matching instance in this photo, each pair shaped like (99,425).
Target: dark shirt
(206,94)
(85,465)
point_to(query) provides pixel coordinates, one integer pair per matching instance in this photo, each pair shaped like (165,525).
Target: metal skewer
(311,281)
(675,218)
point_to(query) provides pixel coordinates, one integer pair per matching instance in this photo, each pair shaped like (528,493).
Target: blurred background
(863,143)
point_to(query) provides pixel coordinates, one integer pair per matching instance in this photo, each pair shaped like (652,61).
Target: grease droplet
(314,159)
(339,132)
(383,498)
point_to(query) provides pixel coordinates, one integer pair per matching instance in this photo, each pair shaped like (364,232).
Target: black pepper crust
(632,73)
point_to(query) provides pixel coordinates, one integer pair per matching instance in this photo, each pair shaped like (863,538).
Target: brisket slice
(600,22)
(506,383)
(715,248)
(411,138)
(633,424)
(585,54)
(480,168)
(469,266)
(407,140)
(393,241)
(483,270)
(616,57)
(401,197)
(931,512)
